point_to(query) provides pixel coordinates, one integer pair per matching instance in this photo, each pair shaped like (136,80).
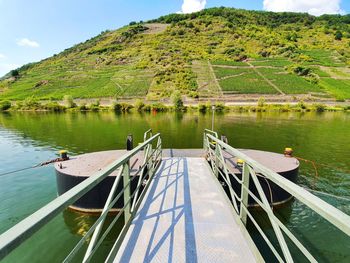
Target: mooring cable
(315,164)
(35,166)
(19,170)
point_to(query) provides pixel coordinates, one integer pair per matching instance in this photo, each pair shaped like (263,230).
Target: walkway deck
(185,217)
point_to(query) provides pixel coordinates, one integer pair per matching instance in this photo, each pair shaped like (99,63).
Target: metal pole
(212,119)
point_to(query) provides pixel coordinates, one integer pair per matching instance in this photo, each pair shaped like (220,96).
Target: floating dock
(75,170)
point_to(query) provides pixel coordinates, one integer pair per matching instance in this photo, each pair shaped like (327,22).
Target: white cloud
(190,6)
(2,55)
(25,42)
(313,7)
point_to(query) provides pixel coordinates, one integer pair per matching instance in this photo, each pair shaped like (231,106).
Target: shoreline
(140,106)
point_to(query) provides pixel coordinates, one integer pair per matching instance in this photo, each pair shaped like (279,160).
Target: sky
(31,30)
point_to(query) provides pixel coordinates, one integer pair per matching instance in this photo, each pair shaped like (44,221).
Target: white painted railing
(152,157)
(250,172)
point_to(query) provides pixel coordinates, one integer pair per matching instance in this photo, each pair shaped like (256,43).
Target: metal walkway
(185,217)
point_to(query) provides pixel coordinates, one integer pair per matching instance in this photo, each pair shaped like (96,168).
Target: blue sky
(36,29)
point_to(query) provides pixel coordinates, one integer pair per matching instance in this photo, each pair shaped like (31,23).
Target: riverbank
(179,106)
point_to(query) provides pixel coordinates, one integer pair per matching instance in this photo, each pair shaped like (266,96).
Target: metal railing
(250,172)
(152,158)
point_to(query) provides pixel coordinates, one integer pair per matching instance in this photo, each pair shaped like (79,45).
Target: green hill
(213,53)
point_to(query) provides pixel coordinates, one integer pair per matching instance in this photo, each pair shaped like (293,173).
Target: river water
(30,138)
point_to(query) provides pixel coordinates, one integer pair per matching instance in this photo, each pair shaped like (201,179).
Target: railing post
(126,179)
(244,193)
(217,153)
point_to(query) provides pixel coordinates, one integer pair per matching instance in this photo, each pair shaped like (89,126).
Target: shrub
(95,106)
(338,35)
(14,73)
(68,101)
(261,102)
(83,107)
(147,108)
(177,101)
(126,107)
(300,70)
(219,107)
(158,107)
(301,105)
(5,105)
(202,108)
(320,107)
(53,106)
(312,78)
(30,103)
(121,107)
(117,107)
(139,105)
(194,94)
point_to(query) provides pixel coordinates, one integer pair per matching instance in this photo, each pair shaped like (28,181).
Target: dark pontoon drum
(78,168)
(285,166)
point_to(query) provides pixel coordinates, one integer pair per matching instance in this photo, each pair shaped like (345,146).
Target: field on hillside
(289,83)
(114,81)
(207,85)
(274,75)
(241,81)
(328,58)
(245,79)
(338,88)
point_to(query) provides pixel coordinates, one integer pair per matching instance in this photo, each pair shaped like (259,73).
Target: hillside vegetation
(213,53)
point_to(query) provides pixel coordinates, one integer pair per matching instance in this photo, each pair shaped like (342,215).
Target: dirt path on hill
(214,77)
(267,80)
(231,76)
(245,67)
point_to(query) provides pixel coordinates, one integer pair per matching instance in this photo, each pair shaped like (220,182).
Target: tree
(338,35)
(177,101)
(68,100)
(14,73)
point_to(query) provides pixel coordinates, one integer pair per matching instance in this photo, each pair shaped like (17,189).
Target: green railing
(215,149)
(152,158)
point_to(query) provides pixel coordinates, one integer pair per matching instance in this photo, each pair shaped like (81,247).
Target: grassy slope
(135,61)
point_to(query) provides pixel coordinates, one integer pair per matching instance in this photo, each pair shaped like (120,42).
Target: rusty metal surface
(90,163)
(274,161)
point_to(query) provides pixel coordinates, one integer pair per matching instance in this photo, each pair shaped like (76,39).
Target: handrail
(16,235)
(251,170)
(148,132)
(207,131)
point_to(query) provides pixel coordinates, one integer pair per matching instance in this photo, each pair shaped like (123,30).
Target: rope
(35,166)
(314,164)
(19,170)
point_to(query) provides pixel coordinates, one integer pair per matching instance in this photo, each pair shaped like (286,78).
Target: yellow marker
(240,162)
(288,152)
(64,154)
